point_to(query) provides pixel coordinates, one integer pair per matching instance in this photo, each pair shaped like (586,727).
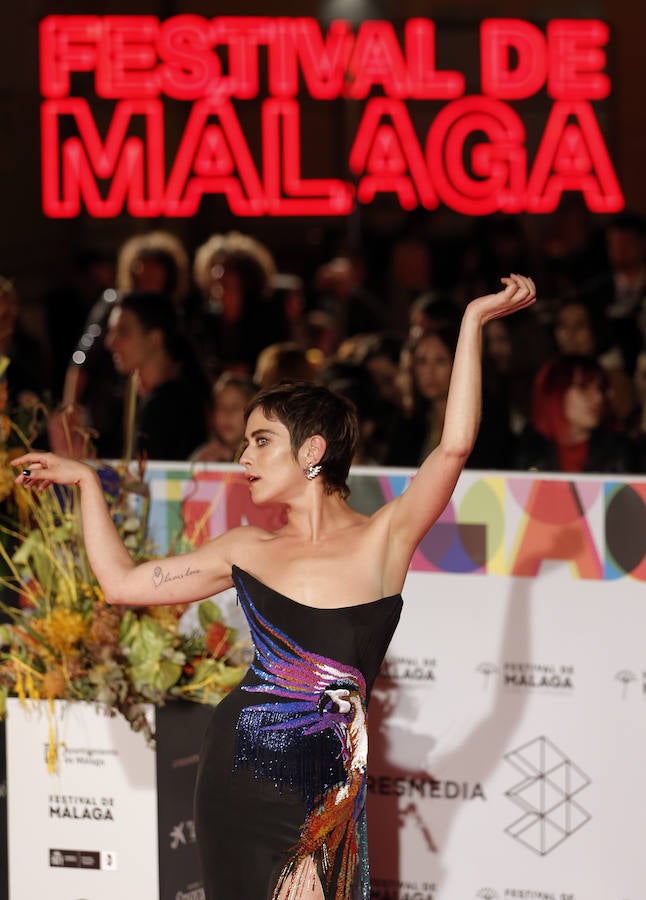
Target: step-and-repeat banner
(507,727)
(109,817)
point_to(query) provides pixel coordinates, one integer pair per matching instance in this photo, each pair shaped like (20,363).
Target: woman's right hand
(40,470)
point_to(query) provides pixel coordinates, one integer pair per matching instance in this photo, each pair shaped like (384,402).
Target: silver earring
(312,471)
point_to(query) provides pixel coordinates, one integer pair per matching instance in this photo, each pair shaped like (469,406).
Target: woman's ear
(314,449)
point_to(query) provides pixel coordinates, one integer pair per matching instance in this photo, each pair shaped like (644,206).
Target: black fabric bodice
(282,777)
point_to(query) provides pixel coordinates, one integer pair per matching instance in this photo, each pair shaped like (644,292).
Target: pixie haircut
(307,409)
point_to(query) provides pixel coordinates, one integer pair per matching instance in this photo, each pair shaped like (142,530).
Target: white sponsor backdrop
(507,729)
(88,831)
(576,746)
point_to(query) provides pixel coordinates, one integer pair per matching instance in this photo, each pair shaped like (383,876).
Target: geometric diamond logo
(546,795)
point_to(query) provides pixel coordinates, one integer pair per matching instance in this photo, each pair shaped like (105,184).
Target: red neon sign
(471,155)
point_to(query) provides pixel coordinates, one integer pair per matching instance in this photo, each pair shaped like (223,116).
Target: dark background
(36,253)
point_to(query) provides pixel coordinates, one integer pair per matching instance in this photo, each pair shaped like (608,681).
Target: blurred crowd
(156,349)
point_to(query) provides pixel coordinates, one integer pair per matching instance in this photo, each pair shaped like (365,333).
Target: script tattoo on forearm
(160,577)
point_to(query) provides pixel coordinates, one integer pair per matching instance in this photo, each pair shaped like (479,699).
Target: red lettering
(70,170)
(425,82)
(474,157)
(498,166)
(377,60)
(324,62)
(67,44)
(214,159)
(387,157)
(576,59)
(282,69)
(127,58)
(287,193)
(572,156)
(242,35)
(190,68)
(499,77)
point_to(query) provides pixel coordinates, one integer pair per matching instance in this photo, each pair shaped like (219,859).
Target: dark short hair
(307,409)
(155,312)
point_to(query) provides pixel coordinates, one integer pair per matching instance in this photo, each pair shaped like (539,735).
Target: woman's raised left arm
(413,513)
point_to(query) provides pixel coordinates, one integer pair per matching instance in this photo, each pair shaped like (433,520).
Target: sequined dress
(281,785)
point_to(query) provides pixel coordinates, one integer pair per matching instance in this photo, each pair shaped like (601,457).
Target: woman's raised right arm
(176,579)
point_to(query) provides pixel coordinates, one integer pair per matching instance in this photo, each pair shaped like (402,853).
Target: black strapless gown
(281,783)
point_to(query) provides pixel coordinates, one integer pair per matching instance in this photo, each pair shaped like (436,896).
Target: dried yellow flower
(63,629)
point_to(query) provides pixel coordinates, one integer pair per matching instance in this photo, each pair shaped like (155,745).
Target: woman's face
(273,473)
(126,340)
(432,364)
(573,332)
(583,407)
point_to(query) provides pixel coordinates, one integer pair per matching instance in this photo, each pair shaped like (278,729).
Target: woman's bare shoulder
(243,536)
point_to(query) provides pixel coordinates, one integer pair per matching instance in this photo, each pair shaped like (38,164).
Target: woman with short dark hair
(281,788)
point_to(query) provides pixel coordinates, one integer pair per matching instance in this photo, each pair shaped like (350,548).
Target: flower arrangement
(61,640)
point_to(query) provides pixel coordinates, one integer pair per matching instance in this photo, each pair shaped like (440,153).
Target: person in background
(322,336)
(571,255)
(513,352)
(234,274)
(341,292)
(231,395)
(288,309)
(379,355)
(283,361)
(94,391)
(497,240)
(26,373)
(572,428)
(353,381)
(619,293)
(147,343)
(427,365)
(410,272)
(155,262)
(582,331)
(636,421)
(432,310)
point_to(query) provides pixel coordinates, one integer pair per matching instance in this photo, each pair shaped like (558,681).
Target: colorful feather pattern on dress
(311,695)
